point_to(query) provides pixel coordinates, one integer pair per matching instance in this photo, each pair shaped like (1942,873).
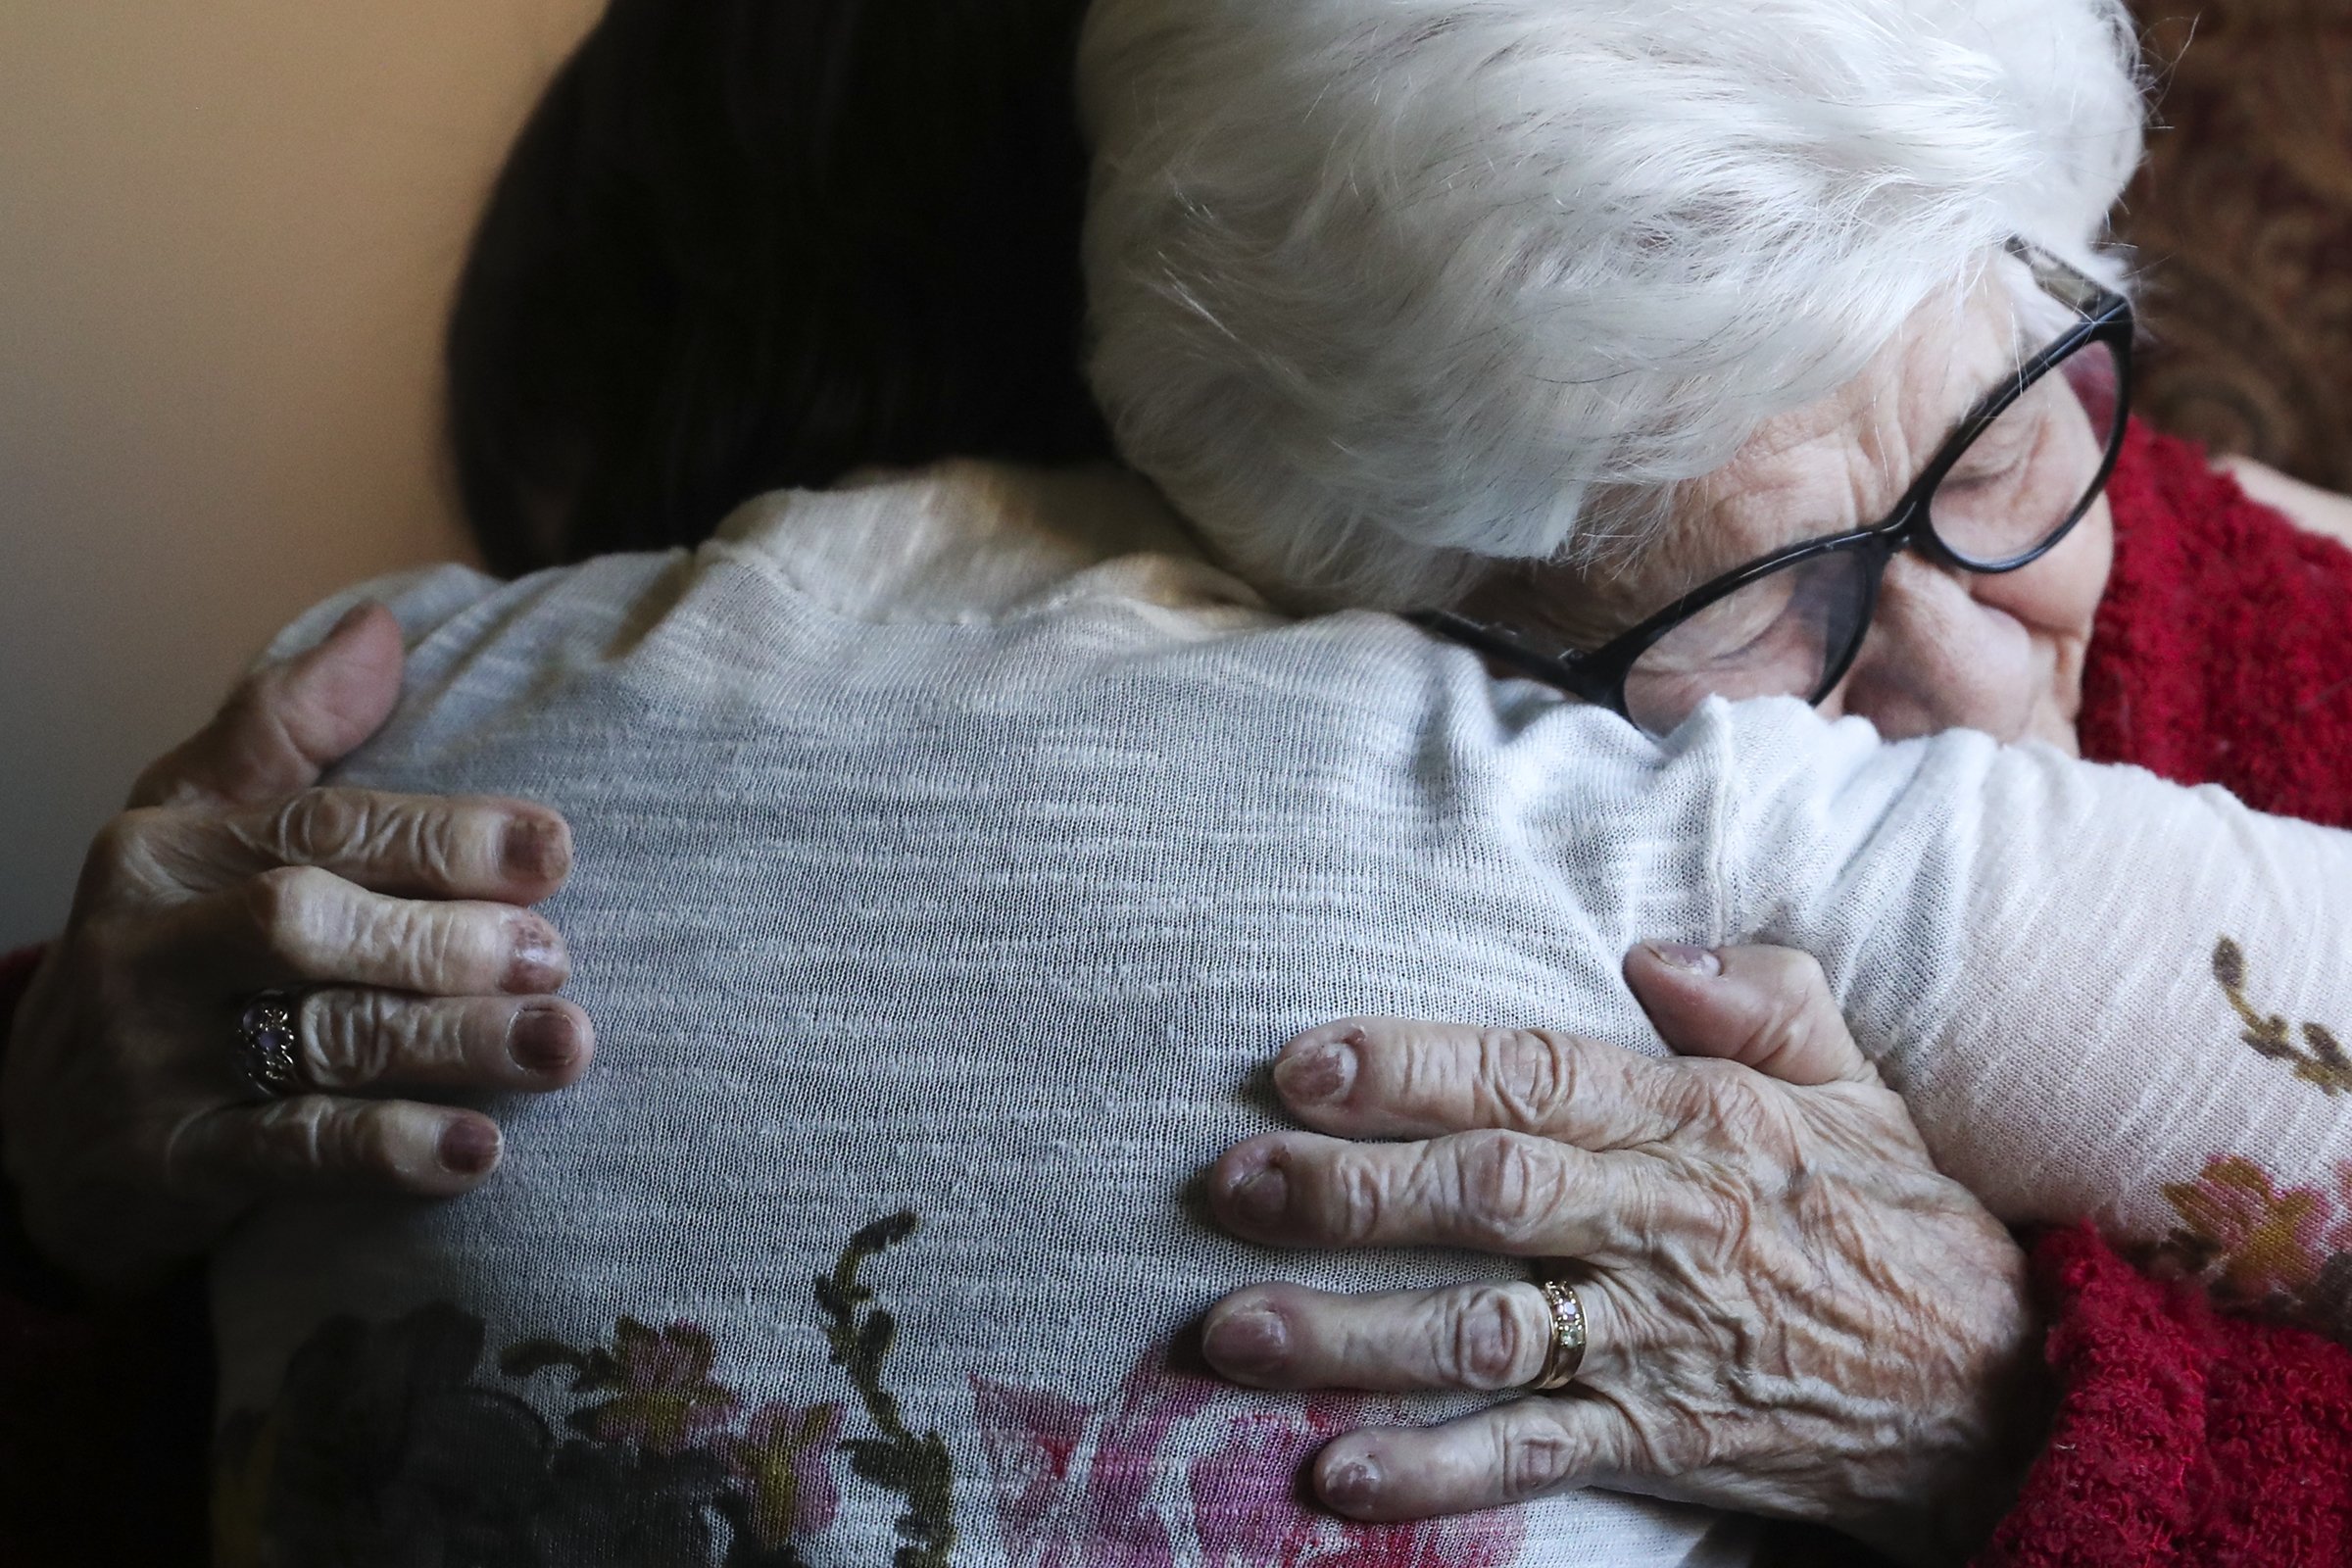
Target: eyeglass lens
(2033,469)
(1779,636)
(2028,475)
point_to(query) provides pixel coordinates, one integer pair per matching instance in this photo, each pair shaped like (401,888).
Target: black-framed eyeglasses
(2009,484)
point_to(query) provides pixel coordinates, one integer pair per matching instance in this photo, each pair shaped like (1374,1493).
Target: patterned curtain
(2243,222)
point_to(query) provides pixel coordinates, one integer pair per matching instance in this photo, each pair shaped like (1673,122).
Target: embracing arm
(1874,1377)
(126,1034)
(2103,997)
(128,1141)
(1790,1310)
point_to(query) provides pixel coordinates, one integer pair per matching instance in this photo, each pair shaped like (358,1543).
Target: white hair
(1382,287)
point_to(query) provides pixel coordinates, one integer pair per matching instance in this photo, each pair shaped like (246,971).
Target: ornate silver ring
(268,1035)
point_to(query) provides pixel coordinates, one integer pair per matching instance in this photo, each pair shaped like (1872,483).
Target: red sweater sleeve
(2184,1440)
(2223,648)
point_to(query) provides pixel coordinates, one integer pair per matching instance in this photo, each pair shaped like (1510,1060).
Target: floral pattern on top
(387,1448)
(390,1445)
(2250,1240)
(2255,1242)
(662,1396)
(783,1462)
(917,1468)
(2320,1059)
(1081,1486)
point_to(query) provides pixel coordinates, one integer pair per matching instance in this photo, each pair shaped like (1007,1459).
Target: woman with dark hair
(710,309)
(745,246)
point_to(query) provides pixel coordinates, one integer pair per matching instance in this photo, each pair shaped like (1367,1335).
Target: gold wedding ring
(1567,1349)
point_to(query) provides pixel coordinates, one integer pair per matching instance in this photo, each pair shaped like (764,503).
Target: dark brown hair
(746,244)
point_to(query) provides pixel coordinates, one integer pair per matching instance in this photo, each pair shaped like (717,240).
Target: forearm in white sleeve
(2102,996)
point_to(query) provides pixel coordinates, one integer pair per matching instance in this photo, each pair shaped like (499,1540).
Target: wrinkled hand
(131,1140)
(1789,1312)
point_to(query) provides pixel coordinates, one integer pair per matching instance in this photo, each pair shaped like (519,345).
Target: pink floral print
(783,1462)
(2255,1242)
(1079,1486)
(663,1397)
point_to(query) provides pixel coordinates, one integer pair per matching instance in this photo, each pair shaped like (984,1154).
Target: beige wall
(227,231)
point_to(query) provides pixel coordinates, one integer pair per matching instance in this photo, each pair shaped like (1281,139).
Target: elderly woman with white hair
(959,840)
(1635,296)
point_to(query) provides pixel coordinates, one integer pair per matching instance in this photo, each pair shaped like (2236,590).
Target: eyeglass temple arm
(1558,668)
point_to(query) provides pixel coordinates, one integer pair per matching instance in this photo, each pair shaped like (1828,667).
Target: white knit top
(961,846)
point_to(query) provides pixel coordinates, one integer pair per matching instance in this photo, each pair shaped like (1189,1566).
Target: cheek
(2058,595)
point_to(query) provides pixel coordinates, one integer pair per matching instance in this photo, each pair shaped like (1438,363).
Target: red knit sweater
(2183,1440)
(2224,652)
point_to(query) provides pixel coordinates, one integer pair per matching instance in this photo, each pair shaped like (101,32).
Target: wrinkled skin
(1791,1312)
(131,1140)
(1948,649)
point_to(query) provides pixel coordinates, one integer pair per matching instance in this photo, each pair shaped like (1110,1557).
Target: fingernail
(534,848)
(1683,955)
(1250,1343)
(536,962)
(351,617)
(1317,1072)
(1261,1198)
(1352,1485)
(542,1040)
(469,1147)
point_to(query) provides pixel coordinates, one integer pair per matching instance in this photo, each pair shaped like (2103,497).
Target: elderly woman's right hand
(1791,1310)
(131,1139)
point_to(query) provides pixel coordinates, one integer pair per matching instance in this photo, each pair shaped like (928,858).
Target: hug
(1333,782)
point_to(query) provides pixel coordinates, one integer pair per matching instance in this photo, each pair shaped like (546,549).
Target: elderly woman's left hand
(1790,1311)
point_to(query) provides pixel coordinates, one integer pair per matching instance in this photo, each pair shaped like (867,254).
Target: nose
(1939,658)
